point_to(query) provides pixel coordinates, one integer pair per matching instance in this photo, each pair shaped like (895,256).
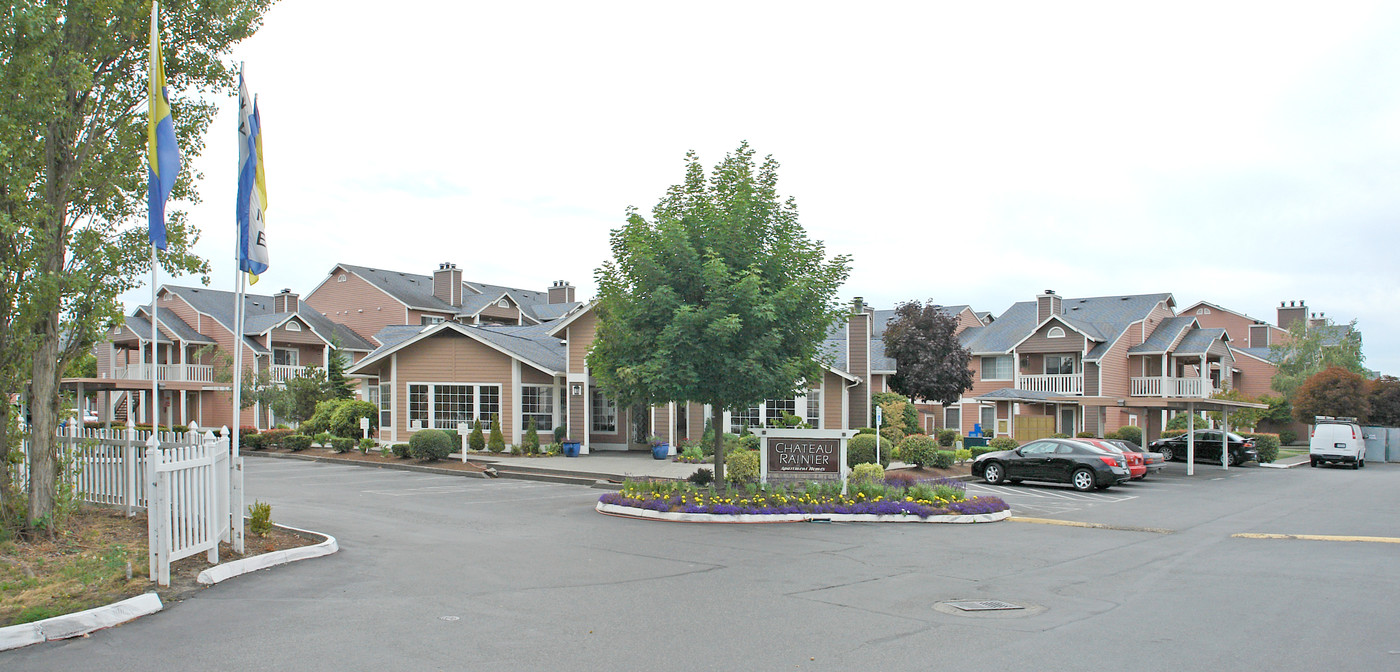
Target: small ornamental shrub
(385,450)
(750,442)
(552,449)
(341,444)
(400,450)
(260,518)
(366,445)
(947,437)
(531,440)
(692,454)
(1287,436)
(891,435)
(323,439)
(516,450)
(1129,433)
(1003,443)
(1059,435)
(281,425)
(497,442)
(860,449)
(1266,445)
(943,459)
(429,445)
(1168,433)
(962,455)
(918,449)
(1085,435)
(320,420)
(560,431)
(272,438)
(865,430)
(741,466)
(895,455)
(867,472)
(476,440)
(296,442)
(252,442)
(346,420)
(702,476)
(981,450)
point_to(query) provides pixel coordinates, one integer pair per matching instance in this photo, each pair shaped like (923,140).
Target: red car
(1137,469)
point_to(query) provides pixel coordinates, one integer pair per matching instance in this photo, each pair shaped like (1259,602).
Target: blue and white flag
(162,154)
(252,188)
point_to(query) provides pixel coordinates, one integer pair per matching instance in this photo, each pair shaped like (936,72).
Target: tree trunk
(717,422)
(43,447)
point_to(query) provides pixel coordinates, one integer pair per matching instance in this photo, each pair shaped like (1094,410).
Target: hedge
(429,444)
(1266,445)
(1003,443)
(943,459)
(860,449)
(296,442)
(341,444)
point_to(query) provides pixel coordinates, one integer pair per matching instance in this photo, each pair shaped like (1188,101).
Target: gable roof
(218,305)
(1102,318)
(1198,341)
(1167,333)
(531,344)
(416,292)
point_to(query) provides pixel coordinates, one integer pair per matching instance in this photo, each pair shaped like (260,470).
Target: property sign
(803,454)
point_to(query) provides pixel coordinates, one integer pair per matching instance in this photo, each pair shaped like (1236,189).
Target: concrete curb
(79,623)
(372,465)
(630,512)
(228,570)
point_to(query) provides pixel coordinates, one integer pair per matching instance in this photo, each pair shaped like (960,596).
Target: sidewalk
(604,465)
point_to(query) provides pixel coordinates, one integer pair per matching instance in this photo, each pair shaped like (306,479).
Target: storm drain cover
(985,605)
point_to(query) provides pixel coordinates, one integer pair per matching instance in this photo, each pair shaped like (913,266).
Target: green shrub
(400,450)
(341,444)
(701,477)
(1003,443)
(320,420)
(272,438)
(1129,433)
(860,449)
(366,445)
(943,459)
(1059,435)
(891,435)
(323,439)
(429,444)
(1266,445)
(497,443)
(252,441)
(947,437)
(296,442)
(741,466)
(560,432)
(1085,435)
(962,455)
(981,450)
(693,453)
(750,442)
(1168,433)
(865,430)
(259,518)
(1287,436)
(531,441)
(476,440)
(918,449)
(868,473)
(346,420)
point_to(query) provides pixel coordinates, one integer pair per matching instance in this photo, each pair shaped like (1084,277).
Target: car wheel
(1167,453)
(1356,465)
(1362,462)
(993,473)
(1234,460)
(1083,480)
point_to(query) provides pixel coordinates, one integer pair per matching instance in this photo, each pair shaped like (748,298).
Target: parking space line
(1318,537)
(1098,526)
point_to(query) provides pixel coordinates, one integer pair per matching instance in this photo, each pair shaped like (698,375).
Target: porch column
(82,405)
(393,398)
(1191,439)
(1205,378)
(1166,373)
(515,401)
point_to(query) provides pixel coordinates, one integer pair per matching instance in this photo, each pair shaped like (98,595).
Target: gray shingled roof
(172,322)
(530,343)
(395,334)
(218,304)
(1198,341)
(1163,336)
(1013,394)
(141,326)
(1266,354)
(417,291)
(1103,318)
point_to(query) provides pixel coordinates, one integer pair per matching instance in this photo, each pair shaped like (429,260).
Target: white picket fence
(189,484)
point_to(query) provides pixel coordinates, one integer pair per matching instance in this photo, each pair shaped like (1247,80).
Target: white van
(1337,440)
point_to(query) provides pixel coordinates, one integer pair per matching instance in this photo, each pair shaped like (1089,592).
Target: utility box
(974,441)
(1376,440)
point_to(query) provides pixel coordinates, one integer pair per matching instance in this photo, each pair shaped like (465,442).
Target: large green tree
(1336,392)
(930,362)
(719,298)
(1310,349)
(73,191)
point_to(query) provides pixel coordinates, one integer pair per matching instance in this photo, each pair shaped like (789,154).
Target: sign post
(879,421)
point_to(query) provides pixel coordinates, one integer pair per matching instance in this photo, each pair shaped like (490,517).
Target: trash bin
(975,442)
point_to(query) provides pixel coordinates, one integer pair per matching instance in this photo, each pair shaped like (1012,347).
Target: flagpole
(155,341)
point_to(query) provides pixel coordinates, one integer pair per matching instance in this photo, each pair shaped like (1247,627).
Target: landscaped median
(890,501)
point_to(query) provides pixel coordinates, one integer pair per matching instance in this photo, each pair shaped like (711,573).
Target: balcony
(193,373)
(1058,383)
(281,373)
(1160,386)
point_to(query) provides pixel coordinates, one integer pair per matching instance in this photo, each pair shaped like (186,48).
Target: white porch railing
(1059,383)
(194,373)
(1160,386)
(281,373)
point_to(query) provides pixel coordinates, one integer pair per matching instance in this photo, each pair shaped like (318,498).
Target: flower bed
(921,499)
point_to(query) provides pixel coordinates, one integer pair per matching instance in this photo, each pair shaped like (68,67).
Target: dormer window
(1055,332)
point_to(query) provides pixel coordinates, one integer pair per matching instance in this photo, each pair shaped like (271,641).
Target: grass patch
(84,566)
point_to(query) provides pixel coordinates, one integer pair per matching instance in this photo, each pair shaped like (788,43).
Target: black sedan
(1057,460)
(1207,447)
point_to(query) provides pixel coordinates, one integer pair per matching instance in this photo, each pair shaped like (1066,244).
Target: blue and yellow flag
(163,155)
(252,188)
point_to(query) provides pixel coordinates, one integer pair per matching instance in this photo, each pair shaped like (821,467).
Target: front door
(641,426)
(1067,417)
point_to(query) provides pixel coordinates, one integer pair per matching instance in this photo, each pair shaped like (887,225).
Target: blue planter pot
(661,451)
(571,448)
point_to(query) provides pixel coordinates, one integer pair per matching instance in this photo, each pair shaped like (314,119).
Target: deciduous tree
(1385,401)
(719,298)
(1310,349)
(930,363)
(1335,392)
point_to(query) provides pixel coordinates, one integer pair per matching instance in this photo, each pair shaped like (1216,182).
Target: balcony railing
(1159,386)
(193,373)
(1058,383)
(281,373)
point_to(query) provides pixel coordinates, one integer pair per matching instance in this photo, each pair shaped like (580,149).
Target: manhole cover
(985,605)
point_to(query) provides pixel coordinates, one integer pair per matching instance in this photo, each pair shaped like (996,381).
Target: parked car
(1137,469)
(1056,460)
(1336,441)
(1153,461)
(1207,447)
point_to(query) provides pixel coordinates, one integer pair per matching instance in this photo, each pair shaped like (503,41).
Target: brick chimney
(858,363)
(1048,304)
(284,302)
(1293,312)
(561,292)
(1259,335)
(1317,320)
(447,284)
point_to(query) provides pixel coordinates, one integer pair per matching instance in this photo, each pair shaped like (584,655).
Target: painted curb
(228,570)
(630,512)
(79,623)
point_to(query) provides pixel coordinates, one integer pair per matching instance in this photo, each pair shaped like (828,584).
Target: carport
(1188,404)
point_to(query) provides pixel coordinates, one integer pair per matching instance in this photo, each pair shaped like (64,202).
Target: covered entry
(1154,406)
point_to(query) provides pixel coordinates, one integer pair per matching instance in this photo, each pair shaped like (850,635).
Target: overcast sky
(1240,154)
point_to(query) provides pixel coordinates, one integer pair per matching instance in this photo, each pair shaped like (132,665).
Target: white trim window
(604,412)
(386,408)
(775,409)
(537,404)
(997,368)
(1059,364)
(751,417)
(814,409)
(444,405)
(293,326)
(1055,332)
(427,320)
(952,418)
(284,356)
(989,421)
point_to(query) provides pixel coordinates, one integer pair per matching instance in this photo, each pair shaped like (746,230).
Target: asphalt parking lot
(442,572)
